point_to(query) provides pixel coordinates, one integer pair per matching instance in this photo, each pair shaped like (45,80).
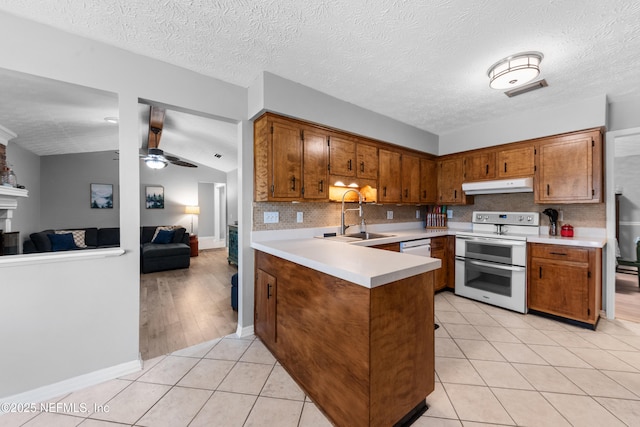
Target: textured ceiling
(52,117)
(421,62)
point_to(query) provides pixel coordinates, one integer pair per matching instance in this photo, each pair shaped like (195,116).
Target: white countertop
(360,265)
(585,241)
(351,260)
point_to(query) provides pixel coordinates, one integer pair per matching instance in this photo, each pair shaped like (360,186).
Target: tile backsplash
(327,214)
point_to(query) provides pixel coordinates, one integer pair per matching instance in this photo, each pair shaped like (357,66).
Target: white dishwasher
(421,247)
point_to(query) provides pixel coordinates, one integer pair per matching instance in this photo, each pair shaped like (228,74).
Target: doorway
(183,307)
(212,222)
(623,223)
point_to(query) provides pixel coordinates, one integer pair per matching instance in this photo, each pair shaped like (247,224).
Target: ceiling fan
(155,157)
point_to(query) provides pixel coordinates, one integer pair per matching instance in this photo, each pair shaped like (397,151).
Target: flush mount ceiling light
(515,70)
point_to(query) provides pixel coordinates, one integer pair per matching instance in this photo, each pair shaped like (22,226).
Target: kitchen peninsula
(352,325)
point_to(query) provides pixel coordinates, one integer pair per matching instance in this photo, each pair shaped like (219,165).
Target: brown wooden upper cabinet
(516,162)
(428,181)
(569,168)
(342,156)
(480,165)
(281,148)
(348,157)
(315,174)
(389,180)
(450,178)
(367,161)
(410,166)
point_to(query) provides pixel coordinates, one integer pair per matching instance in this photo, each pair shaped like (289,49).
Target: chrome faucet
(344,227)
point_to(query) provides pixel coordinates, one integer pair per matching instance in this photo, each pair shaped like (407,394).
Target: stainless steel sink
(367,236)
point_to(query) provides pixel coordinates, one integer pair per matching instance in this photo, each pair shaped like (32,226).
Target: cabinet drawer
(560,253)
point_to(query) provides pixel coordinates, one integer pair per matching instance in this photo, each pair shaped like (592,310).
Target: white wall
(180,189)
(65,187)
(72,318)
(626,179)
(232,196)
(624,114)
(26,165)
(523,125)
(274,93)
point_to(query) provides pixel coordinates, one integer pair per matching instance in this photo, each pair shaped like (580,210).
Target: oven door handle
(500,242)
(496,266)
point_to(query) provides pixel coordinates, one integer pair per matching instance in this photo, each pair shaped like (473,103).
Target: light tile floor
(493,367)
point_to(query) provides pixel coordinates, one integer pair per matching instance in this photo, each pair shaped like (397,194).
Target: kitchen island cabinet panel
(364,356)
(265,312)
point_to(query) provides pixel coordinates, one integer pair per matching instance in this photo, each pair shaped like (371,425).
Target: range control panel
(508,218)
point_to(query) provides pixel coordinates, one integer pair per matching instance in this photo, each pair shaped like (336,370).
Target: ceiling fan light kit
(515,70)
(155,159)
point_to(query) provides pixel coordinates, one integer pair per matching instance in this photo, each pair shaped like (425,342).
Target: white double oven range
(491,259)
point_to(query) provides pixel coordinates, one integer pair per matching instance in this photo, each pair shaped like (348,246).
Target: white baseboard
(210,242)
(244,332)
(61,388)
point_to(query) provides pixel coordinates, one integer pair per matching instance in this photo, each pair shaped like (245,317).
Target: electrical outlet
(389,214)
(271,217)
(560,215)
(299,217)
(417,213)
(449,213)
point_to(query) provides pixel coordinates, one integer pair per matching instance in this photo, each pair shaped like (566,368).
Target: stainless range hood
(514,185)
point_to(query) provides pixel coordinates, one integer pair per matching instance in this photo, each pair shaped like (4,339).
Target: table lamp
(193,210)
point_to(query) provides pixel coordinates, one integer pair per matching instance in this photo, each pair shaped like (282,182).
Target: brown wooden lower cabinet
(395,247)
(364,356)
(451,262)
(565,281)
(439,250)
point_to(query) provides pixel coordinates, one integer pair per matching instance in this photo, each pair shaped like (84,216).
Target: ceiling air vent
(527,88)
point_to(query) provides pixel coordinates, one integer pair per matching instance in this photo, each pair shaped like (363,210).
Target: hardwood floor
(627,297)
(180,308)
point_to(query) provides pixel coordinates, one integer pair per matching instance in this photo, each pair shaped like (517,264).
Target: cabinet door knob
(361,166)
(293,183)
(321,185)
(349,164)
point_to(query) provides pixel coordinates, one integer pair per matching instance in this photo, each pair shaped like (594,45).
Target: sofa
(161,247)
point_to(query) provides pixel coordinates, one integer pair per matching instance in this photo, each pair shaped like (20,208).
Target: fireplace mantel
(9,197)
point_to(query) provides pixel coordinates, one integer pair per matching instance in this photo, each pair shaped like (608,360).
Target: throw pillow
(78,237)
(61,242)
(158,229)
(178,235)
(163,236)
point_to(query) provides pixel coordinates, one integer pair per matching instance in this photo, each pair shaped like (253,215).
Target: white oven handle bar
(491,265)
(502,242)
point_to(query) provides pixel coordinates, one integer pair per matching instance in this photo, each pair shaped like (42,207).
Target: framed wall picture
(101,196)
(154,197)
